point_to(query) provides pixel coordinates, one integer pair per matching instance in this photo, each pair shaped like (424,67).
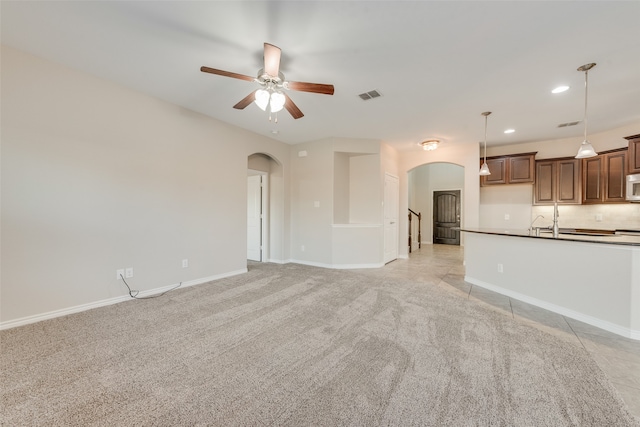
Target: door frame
(460,200)
(396,241)
(264,213)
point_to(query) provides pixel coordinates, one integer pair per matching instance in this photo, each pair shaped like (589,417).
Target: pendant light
(484,170)
(586,149)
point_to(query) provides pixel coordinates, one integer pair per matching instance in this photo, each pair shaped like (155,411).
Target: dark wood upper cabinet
(633,155)
(512,169)
(569,184)
(521,169)
(498,168)
(592,180)
(615,180)
(544,191)
(557,180)
(604,177)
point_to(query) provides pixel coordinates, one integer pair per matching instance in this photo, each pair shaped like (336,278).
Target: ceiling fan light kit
(272,82)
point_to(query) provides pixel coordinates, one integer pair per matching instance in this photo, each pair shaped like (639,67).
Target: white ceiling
(438,65)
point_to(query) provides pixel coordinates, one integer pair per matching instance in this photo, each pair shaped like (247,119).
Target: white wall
(506,206)
(96,177)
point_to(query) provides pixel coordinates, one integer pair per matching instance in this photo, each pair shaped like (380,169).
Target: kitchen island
(591,278)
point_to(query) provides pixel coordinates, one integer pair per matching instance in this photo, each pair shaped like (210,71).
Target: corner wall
(96,177)
(336,213)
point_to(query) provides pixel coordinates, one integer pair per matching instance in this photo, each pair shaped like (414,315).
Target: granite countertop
(572,235)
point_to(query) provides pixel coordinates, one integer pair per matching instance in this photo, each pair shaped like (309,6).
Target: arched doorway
(265,208)
(427,184)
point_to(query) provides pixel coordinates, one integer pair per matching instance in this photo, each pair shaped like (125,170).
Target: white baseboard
(279,261)
(109,301)
(593,321)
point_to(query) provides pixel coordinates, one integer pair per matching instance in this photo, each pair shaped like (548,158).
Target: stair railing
(419,215)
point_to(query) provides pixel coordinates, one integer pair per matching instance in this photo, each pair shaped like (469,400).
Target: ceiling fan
(271,82)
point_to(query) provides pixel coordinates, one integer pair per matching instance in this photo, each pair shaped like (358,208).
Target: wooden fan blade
(227,74)
(311,87)
(271,59)
(246,101)
(292,108)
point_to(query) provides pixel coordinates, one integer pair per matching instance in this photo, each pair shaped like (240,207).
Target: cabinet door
(633,156)
(568,179)
(614,177)
(498,168)
(545,187)
(521,169)
(592,180)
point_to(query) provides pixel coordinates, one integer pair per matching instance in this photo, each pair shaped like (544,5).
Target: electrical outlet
(507,217)
(302,248)
(120,274)
(500,268)
(599,217)
(129,273)
(185,263)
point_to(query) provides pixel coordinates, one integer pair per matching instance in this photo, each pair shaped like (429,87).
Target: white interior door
(391,202)
(254,217)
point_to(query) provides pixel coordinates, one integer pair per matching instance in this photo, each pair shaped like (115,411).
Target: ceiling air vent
(564,125)
(369,95)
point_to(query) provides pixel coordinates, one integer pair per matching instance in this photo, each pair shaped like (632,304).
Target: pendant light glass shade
(484,170)
(586,149)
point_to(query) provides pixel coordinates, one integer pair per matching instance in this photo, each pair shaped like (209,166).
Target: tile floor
(617,356)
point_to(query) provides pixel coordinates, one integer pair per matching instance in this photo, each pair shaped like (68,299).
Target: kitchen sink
(581,232)
(587,233)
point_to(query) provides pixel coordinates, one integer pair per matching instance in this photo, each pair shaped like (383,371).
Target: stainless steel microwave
(633,187)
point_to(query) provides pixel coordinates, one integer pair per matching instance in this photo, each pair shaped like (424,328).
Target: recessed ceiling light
(560,89)
(509,131)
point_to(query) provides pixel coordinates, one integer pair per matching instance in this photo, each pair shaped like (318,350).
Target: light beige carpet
(299,346)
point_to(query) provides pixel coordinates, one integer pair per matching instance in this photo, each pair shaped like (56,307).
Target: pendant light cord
(485,137)
(586,88)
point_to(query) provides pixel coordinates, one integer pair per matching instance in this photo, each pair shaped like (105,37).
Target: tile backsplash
(603,217)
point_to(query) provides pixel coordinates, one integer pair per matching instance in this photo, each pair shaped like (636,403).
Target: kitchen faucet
(531,225)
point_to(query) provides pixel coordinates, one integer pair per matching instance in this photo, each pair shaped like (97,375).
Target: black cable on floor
(132,295)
